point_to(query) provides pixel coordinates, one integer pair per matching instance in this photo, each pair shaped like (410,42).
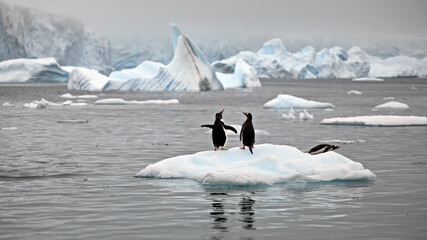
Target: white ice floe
(119,101)
(354,92)
(368,79)
(393,104)
(388,98)
(285,101)
(7,104)
(290,115)
(304,115)
(70,96)
(9,128)
(378,120)
(43,103)
(269,164)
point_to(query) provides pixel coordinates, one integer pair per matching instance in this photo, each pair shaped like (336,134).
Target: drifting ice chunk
(119,101)
(354,92)
(290,115)
(7,104)
(379,120)
(32,70)
(70,96)
(269,164)
(288,101)
(368,79)
(304,115)
(244,76)
(73,121)
(393,104)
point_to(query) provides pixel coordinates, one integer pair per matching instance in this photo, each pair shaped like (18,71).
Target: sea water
(62,178)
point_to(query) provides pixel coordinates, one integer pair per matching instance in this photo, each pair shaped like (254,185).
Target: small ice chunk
(9,128)
(388,98)
(304,115)
(393,104)
(354,92)
(368,79)
(290,115)
(7,104)
(70,96)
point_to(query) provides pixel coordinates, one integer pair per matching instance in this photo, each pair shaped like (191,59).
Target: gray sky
(240,19)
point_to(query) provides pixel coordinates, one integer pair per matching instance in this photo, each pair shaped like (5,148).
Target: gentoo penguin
(219,136)
(322,148)
(247,133)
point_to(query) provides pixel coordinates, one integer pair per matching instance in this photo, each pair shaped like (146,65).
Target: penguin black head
(333,147)
(248,115)
(219,115)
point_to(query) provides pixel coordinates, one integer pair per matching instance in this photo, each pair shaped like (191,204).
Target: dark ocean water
(76,181)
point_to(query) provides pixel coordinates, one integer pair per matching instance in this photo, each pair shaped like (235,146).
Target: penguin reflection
(246,214)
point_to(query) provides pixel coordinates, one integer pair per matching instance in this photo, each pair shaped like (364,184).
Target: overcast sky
(240,19)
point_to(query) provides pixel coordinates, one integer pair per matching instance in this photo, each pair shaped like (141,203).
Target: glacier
(32,70)
(30,33)
(270,164)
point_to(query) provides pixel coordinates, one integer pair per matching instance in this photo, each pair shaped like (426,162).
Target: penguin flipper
(230,128)
(207,125)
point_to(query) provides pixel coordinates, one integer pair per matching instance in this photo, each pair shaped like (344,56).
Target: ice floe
(393,104)
(304,115)
(9,128)
(7,104)
(119,101)
(354,92)
(340,141)
(269,164)
(290,115)
(368,79)
(70,96)
(285,101)
(378,120)
(73,121)
(43,103)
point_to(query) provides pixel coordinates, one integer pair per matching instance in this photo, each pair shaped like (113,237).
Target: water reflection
(225,207)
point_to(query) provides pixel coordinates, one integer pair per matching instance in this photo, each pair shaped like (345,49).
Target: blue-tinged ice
(32,70)
(284,101)
(269,164)
(244,76)
(188,71)
(378,121)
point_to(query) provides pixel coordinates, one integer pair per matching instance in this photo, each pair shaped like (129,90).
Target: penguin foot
(242,147)
(224,149)
(214,149)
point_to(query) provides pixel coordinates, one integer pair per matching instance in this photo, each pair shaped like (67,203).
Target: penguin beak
(222,111)
(244,113)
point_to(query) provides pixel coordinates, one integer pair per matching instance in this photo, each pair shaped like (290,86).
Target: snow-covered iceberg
(119,101)
(378,120)
(284,101)
(393,104)
(32,70)
(269,164)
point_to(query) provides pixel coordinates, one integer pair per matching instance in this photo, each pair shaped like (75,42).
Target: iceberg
(398,66)
(393,104)
(354,92)
(270,164)
(119,101)
(32,70)
(244,76)
(188,71)
(378,120)
(368,79)
(304,115)
(284,101)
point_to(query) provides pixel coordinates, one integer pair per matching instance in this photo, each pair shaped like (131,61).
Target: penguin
(247,133)
(322,148)
(219,136)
